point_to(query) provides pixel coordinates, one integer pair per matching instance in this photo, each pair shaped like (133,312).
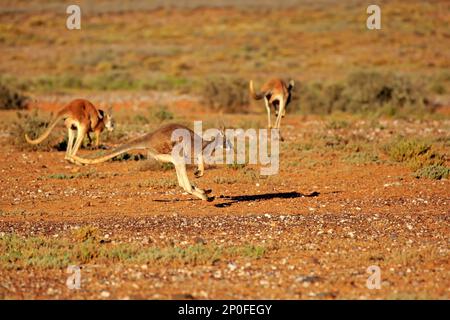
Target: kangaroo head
(108,120)
(227,144)
(219,141)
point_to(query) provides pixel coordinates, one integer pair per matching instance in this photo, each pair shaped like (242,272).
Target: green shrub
(309,99)
(361,158)
(229,95)
(33,124)
(402,150)
(11,98)
(163,114)
(139,118)
(224,180)
(363,92)
(436,172)
(438,88)
(416,153)
(367,91)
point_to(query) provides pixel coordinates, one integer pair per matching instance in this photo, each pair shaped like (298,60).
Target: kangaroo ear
(222,127)
(291,85)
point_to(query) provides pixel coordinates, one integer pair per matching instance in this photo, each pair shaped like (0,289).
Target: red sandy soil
(323,227)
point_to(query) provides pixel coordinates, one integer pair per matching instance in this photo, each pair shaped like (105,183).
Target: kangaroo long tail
(134,145)
(46,132)
(255,95)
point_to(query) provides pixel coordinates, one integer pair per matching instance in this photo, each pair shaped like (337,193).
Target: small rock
(232,266)
(51,291)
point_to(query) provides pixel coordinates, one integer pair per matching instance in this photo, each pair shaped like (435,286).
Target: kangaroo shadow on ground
(262,197)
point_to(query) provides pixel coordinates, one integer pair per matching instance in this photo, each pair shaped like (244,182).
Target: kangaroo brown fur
(81,118)
(159,145)
(277,94)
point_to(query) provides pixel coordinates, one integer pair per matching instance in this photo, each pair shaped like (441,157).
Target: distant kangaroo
(81,118)
(160,146)
(276,94)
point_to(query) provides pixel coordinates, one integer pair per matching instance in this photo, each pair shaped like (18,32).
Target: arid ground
(354,189)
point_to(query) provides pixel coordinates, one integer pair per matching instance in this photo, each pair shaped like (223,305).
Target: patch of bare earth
(321,227)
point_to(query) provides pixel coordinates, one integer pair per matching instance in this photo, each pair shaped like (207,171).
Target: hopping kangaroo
(81,118)
(276,94)
(160,145)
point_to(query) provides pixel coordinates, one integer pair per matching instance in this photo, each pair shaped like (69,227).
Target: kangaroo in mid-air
(161,146)
(81,118)
(276,94)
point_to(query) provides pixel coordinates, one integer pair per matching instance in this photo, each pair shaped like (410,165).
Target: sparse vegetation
(415,153)
(334,141)
(86,233)
(236,166)
(33,124)
(163,114)
(153,165)
(41,252)
(229,95)
(103,80)
(435,172)
(337,190)
(361,158)
(161,183)
(364,92)
(224,180)
(11,98)
(336,124)
(70,176)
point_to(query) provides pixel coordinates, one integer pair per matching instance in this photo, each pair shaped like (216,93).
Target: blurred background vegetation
(205,48)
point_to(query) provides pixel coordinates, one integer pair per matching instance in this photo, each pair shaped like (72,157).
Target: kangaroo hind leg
(269,122)
(70,140)
(184,182)
(200,167)
(81,132)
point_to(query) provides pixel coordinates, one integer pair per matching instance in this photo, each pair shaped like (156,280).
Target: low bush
(33,124)
(435,172)
(364,92)
(162,114)
(11,98)
(419,156)
(415,153)
(229,95)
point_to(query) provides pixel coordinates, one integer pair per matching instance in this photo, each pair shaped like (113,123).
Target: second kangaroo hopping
(276,94)
(159,145)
